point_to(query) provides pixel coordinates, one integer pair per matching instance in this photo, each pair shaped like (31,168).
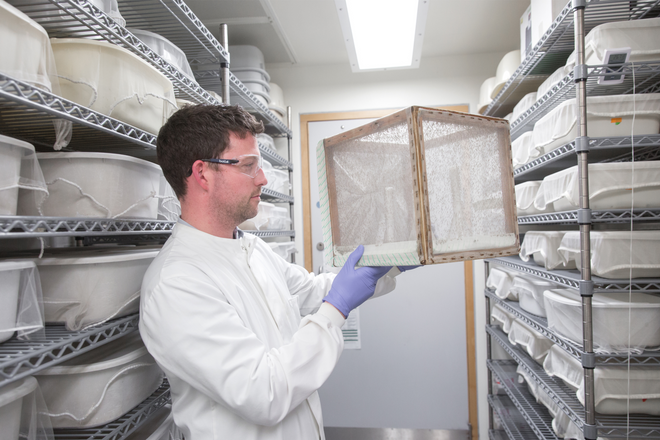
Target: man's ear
(199,175)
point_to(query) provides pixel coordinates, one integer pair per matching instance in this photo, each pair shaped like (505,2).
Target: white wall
(438,81)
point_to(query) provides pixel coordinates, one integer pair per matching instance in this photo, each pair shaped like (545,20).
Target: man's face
(236,196)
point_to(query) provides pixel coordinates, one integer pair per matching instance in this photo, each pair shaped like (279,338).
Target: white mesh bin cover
(260,221)
(606,116)
(278,180)
(525,196)
(500,280)
(169,207)
(641,36)
(93,286)
(100,385)
(96,185)
(610,187)
(522,150)
(23,411)
(617,254)
(279,219)
(484,94)
(525,377)
(525,103)
(114,82)
(529,290)
(543,246)
(21,300)
(266,140)
(283,248)
(166,50)
(613,386)
(535,343)
(551,81)
(619,325)
(502,318)
(19,172)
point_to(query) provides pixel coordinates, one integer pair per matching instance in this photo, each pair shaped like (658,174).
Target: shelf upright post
(489,356)
(224,67)
(288,143)
(584,220)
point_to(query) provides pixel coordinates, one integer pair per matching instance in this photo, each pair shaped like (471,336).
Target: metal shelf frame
(633,425)
(25,226)
(126,424)
(570,278)
(646,147)
(540,324)
(21,358)
(515,424)
(611,216)
(640,78)
(554,47)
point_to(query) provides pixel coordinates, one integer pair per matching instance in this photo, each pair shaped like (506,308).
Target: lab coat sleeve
(193,332)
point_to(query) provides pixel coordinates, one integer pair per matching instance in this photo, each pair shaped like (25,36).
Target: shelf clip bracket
(579,4)
(586,288)
(589,360)
(590,432)
(580,73)
(582,144)
(584,218)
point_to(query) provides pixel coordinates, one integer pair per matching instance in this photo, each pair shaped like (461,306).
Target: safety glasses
(248,164)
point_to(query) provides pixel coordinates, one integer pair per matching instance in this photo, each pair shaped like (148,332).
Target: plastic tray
(11,401)
(500,280)
(543,247)
(525,196)
(529,290)
(534,343)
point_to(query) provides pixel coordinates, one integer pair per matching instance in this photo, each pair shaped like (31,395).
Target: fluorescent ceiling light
(383,34)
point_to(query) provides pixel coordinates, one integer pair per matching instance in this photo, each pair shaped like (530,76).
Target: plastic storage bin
(283,248)
(166,50)
(617,254)
(260,221)
(614,387)
(500,280)
(26,52)
(554,79)
(12,153)
(246,56)
(610,187)
(420,186)
(11,403)
(607,116)
(484,94)
(534,343)
(501,317)
(610,319)
(523,105)
(529,290)
(97,185)
(113,81)
(101,385)
(543,247)
(522,149)
(93,286)
(19,299)
(277,100)
(525,196)
(507,66)
(279,219)
(266,140)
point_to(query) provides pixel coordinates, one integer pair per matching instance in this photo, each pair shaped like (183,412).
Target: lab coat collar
(194,236)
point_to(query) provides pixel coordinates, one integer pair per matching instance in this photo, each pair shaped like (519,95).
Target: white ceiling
(307,32)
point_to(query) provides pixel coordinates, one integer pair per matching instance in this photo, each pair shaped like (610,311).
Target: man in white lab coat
(244,337)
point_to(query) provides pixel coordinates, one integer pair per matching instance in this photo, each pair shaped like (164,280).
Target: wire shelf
(270,234)
(514,423)
(632,425)
(646,147)
(555,46)
(274,196)
(639,78)
(126,424)
(28,113)
(571,278)
(540,324)
(535,414)
(25,226)
(20,358)
(275,159)
(611,216)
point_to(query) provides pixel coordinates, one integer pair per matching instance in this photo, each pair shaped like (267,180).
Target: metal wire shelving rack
(632,425)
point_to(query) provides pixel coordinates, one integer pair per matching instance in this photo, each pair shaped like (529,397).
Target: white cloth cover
(500,280)
(507,66)
(534,343)
(621,322)
(502,318)
(260,221)
(613,386)
(616,254)
(551,81)
(21,299)
(522,149)
(641,36)
(610,187)
(543,245)
(525,196)
(529,290)
(166,50)
(525,103)
(559,126)
(223,319)
(20,175)
(484,94)
(23,413)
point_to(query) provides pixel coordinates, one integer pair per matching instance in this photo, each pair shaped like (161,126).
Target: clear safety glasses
(248,164)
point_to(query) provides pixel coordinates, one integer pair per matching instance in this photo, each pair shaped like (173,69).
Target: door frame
(305,119)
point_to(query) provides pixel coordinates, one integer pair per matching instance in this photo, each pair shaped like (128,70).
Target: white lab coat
(222,318)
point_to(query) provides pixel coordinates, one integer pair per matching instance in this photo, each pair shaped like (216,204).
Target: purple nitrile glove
(353,286)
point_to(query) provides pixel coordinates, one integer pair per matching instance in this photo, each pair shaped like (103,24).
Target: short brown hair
(197,132)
